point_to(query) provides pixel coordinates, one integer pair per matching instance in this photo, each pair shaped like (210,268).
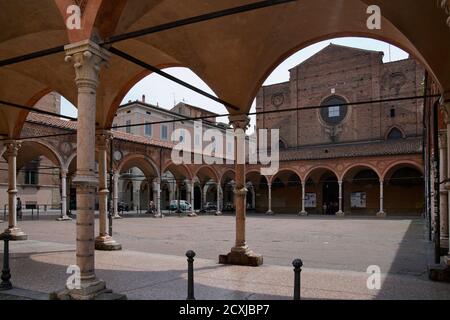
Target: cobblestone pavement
(336,254)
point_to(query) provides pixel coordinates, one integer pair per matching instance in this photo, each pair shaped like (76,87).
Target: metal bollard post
(298,264)
(190,255)
(38,212)
(32,213)
(4,212)
(6,273)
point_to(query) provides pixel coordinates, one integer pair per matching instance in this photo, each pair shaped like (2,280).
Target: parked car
(210,206)
(184,205)
(122,206)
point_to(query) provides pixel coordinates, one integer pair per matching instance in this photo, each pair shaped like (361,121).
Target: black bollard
(6,273)
(298,264)
(190,255)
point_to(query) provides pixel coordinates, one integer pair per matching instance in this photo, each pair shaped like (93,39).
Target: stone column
(219,212)
(87,58)
(444,216)
(340,212)
(240,253)
(12,149)
(116,178)
(192,196)
(104,241)
(178,194)
(381,213)
(269,199)
(157,196)
(303,212)
(64,217)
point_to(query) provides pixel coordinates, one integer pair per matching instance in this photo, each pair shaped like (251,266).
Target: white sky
(166,93)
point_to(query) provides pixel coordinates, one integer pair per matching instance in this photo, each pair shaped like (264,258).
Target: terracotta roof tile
(71,125)
(357,149)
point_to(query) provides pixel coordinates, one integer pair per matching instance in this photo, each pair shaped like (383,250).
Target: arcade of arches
(80,74)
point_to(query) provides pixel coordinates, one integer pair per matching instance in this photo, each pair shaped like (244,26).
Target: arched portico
(286,191)
(302,24)
(404,189)
(324,191)
(362,190)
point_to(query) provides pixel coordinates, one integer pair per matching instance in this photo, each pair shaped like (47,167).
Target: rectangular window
(334,112)
(128,128)
(148,130)
(393,113)
(164,132)
(229,147)
(197,140)
(182,135)
(31,173)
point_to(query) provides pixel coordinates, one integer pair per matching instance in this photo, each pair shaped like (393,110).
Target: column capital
(103,138)
(240,191)
(239,121)
(63,173)
(157,180)
(87,57)
(12,147)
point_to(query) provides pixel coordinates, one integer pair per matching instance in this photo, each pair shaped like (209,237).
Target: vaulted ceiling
(233,54)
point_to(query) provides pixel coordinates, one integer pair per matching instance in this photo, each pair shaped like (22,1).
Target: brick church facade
(334,139)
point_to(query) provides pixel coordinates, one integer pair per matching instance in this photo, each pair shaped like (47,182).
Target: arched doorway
(322,192)
(330,193)
(198,197)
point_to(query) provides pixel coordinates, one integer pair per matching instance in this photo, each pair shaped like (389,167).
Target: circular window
(334,113)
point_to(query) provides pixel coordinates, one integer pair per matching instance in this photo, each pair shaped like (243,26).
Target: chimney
(143,98)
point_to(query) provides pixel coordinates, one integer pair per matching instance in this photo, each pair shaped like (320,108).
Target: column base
(439,272)
(64,218)
(340,214)
(241,257)
(303,213)
(270,213)
(90,290)
(16,234)
(381,214)
(447,260)
(107,243)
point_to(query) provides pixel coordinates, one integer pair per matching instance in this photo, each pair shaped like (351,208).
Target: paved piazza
(336,253)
